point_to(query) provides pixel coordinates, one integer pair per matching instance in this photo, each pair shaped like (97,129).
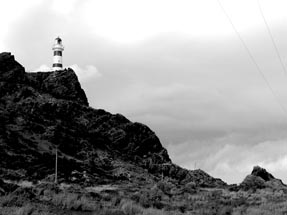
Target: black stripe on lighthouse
(57,53)
(57,65)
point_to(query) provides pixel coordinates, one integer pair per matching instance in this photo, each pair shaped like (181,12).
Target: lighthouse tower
(58,49)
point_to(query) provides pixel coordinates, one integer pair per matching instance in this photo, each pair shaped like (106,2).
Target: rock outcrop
(260,179)
(42,111)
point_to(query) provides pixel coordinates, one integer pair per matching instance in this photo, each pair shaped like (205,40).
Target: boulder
(260,179)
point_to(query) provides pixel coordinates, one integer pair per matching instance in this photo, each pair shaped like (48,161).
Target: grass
(130,208)
(25,210)
(12,200)
(152,200)
(152,211)
(73,201)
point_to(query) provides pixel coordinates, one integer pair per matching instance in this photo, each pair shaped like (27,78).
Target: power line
(252,58)
(272,38)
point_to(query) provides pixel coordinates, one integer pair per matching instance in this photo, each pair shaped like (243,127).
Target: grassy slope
(128,198)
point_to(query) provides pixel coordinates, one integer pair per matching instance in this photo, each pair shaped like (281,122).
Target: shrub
(70,201)
(109,212)
(57,199)
(17,197)
(225,210)
(165,186)
(73,201)
(190,187)
(116,200)
(152,211)
(130,208)
(25,210)
(5,200)
(145,200)
(158,204)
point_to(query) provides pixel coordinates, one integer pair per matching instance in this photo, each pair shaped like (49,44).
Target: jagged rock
(42,111)
(62,84)
(252,182)
(262,173)
(10,70)
(260,179)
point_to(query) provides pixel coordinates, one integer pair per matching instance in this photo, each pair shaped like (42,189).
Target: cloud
(42,68)
(200,92)
(65,7)
(230,159)
(87,73)
(268,154)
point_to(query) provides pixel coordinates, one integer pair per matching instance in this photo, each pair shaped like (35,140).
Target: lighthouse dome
(58,44)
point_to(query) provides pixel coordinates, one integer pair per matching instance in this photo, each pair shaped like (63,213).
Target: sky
(177,66)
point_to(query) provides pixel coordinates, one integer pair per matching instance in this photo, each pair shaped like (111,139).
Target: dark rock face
(42,111)
(10,70)
(262,173)
(252,182)
(60,84)
(260,179)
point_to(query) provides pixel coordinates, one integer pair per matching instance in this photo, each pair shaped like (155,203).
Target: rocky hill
(106,163)
(260,179)
(44,111)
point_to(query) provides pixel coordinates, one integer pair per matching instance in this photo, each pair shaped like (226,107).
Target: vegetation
(160,199)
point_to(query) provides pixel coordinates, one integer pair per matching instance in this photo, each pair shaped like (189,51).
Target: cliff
(42,111)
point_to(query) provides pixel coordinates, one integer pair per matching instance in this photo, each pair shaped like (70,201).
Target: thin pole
(56,166)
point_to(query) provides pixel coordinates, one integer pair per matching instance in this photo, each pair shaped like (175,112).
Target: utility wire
(272,38)
(252,58)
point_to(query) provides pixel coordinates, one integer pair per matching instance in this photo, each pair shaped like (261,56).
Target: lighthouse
(58,49)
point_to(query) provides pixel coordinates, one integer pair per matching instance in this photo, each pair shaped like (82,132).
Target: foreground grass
(160,199)
(131,208)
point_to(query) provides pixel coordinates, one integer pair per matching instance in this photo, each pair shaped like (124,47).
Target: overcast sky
(175,65)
